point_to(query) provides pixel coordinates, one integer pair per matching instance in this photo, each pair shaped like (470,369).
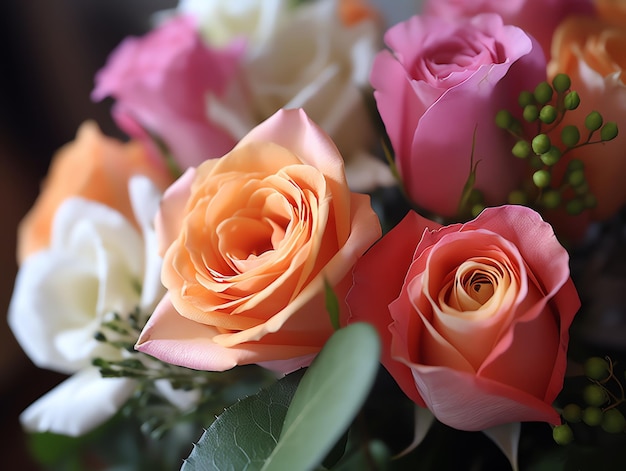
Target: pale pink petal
(169,219)
(444,390)
(294,130)
(506,437)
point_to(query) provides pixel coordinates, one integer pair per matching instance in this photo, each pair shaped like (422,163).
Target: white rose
(222,21)
(310,60)
(97,264)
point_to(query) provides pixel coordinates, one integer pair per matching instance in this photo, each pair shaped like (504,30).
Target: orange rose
(612,10)
(250,240)
(95,167)
(593,53)
(352,12)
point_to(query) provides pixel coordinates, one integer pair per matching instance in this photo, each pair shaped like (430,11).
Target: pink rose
(442,83)
(473,317)
(249,242)
(538,18)
(161,83)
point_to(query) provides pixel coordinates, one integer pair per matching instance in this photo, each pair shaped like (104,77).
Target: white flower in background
(222,21)
(299,57)
(97,264)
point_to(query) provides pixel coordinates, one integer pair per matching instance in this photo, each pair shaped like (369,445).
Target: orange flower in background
(611,10)
(592,51)
(92,166)
(352,12)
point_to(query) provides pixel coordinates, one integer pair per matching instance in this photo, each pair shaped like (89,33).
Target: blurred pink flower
(162,83)
(538,18)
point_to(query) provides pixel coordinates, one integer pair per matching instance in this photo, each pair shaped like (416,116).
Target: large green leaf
(329,396)
(244,435)
(270,431)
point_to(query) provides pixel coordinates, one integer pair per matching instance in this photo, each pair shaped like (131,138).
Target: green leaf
(270,431)
(244,435)
(329,396)
(332,305)
(471,179)
(362,458)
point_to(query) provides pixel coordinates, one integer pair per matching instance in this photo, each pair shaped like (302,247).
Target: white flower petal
(506,437)
(183,400)
(145,199)
(78,405)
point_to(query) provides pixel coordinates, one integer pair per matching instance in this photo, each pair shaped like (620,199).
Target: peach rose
(95,167)
(473,317)
(592,52)
(249,240)
(611,10)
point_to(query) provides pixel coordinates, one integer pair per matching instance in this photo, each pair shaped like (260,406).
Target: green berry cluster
(546,107)
(601,398)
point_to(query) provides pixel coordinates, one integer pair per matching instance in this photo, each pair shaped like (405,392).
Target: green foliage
(332,305)
(244,434)
(543,140)
(329,396)
(286,428)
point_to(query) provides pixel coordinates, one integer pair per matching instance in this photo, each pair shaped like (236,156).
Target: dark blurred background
(50,52)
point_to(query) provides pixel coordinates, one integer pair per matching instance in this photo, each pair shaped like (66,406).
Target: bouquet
(334,243)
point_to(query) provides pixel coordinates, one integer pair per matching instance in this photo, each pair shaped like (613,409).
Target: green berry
(613,421)
(576,178)
(571,101)
(525,98)
(535,162)
(543,93)
(593,121)
(575,164)
(517,197)
(561,82)
(551,157)
(582,188)
(541,143)
(595,395)
(572,413)
(563,434)
(504,119)
(570,135)
(608,131)
(541,178)
(530,113)
(575,207)
(521,149)
(551,199)
(596,368)
(477,209)
(548,114)
(592,416)
(590,201)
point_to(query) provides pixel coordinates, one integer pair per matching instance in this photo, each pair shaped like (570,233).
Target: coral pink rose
(249,241)
(592,52)
(441,85)
(162,82)
(95,167)
(473,317)
(538,18)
